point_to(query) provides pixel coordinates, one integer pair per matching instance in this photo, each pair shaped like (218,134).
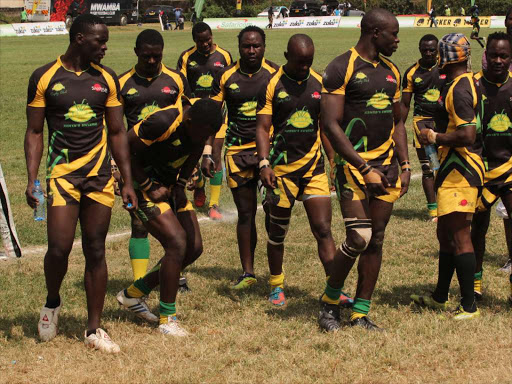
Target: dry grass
(238,337)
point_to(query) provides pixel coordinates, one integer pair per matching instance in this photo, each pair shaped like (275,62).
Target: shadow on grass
(114,285)
(69,326)
(411,213)
(215,272)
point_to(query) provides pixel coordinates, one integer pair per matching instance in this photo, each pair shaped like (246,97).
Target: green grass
(237,336)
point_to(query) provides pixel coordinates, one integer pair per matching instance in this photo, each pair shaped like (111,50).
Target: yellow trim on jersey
(234,149)
(172,128)
(348,74)
(292,167)
(397,96)
(94,171)
(68,187)
(450,107)
(124,79)
(226,54)
(184,59)
(316,75)
(113,100)
(410,74)
(63,169)
(176,77)
(39,100)
(267,67)
(270,91)
(225,76)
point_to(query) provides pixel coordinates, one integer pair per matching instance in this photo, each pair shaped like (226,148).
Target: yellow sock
(214,194)
(432,212)
(164,319)
(139,267)
(478,285)
(328,300)
(133,291)
(277,281)
(356,315)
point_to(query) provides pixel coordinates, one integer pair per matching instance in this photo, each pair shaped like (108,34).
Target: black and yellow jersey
(142,96)
(75,104)
(170,146)
(370,89)
(426,85)
(240,91)
(295,110)
(200,69)
(495,113)
(460,166)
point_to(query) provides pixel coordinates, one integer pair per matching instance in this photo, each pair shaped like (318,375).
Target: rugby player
(496,114)
(292,167)
(146,88)
(200,64)
(475,21)
(239,86)
(361,98)
(164,149)
(75,94)
(423,80)
(459,178)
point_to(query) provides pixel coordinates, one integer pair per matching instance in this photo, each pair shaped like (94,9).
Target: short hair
(251,28)
(82,23)
(200,27)
(208,112)
(429,37)
(498,36)
(375,18)
(149,37)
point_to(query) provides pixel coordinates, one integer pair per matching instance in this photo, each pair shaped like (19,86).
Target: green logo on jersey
(234,87)
(300,119)
(132,91)
(361,78)
(248,108)
(80,113)
(147,110)
(379,100)
(205,81)
(58,89)
(432,95)
(418,80)
(500,122)
(282,97)
(192,64)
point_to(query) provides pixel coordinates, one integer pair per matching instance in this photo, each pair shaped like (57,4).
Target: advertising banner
(7,30)
(290,22)
(452,21)
(38,10)
(497,22)
(36,29)
(350,22)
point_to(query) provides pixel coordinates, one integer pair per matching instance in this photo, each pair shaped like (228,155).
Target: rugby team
(275,124)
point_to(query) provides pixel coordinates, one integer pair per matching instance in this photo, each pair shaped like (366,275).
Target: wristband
(405,162)
(364,169)
(207,150)
(431,136)
(264,166)
(406,169)
(264,163)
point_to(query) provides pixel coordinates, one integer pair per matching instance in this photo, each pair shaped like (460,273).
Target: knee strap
(426,170)
(277,229)
(363,227)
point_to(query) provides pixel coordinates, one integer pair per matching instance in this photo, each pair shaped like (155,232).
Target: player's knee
(359,233)
(245,217)
(322,231)
(426,171)
(377,240)
(58,253)
(277,229)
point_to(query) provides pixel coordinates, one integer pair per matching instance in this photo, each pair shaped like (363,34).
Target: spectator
(432,14)
(323,9)
(193,18)
(447,10)
(270,17)
(177,15)
(283,13)
(23,15)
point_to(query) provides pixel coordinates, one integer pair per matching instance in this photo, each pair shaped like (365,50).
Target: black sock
(91,332)
(465,265)
(52,303)
(446,269)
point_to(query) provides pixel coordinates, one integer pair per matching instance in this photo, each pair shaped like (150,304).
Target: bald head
(299,56)
(377,18)
(299,42)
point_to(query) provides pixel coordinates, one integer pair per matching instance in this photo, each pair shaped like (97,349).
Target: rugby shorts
(149,210)
(63,191)
(490,194)
(241,167)
(457,199)
(299,188)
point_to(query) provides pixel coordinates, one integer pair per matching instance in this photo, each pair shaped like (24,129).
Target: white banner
(38,10)
(289,22)
(36,29)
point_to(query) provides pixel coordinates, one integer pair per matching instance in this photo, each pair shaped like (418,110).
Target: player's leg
(479,227)
(216,186)
(138,248)
(188,220)
(507,202)
(427,181)
(199,188)
(246,202)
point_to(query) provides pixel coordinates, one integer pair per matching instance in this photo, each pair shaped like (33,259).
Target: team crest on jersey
(390,79)
(192,64)
(218,64)
(80,113)
(248,108)
(300,119)
(500,122)
(418,80)
(147,110)
(234,88)
(379,100)
(361,78)
(98,88)
(283,96)
(168,90)
(132,92)
(432,95)
(205,81)
(316,95)
(58,89)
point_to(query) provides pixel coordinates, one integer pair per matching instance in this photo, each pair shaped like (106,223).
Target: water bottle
(431,152)
(40,210)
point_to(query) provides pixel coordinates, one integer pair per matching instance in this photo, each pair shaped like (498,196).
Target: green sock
(139,256)
(331,295)
(478,275)
(361,306)
(166,310)
(141,286)
(216,179)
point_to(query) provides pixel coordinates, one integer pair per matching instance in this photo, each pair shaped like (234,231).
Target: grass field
(237,337)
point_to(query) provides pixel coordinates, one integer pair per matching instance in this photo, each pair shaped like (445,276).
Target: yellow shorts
(64,191)
(241,167)
(419,123)
(490,194)
(149,210)
(451,200)
(350,184)
(303,188)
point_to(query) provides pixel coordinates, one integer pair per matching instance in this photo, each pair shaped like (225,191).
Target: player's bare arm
(329,151)
(263,123)
(33,149)
(464,136)
(332,113)
(120,150)
(400,138)
(405,105)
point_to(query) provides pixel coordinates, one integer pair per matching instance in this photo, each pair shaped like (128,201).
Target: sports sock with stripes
(432,209)
(139,256)
(331,295)
(478,281)
(138,289)
(277,281)
(360,308)
(215,187)
(166,310)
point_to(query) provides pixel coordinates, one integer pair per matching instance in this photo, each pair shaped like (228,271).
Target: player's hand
(405,178)
(129,197)
(158,193)
(208,166)
(31,199)
(268,178)
(179,196)
(423,136)
(376,182)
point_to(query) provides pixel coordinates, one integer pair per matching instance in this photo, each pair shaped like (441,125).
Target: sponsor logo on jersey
(132,92)
(432,95)
(442,77)
(379,100)
(248,108)
(390,79)
(418,80)
(205,81)
(283,96)
(316,95)
(234,88)
(361,78)
(147,110)
(218,64)
(300,119)
(58,89)
(80,113)
(168,90)
(500,122)
(192,64)
(98,88)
